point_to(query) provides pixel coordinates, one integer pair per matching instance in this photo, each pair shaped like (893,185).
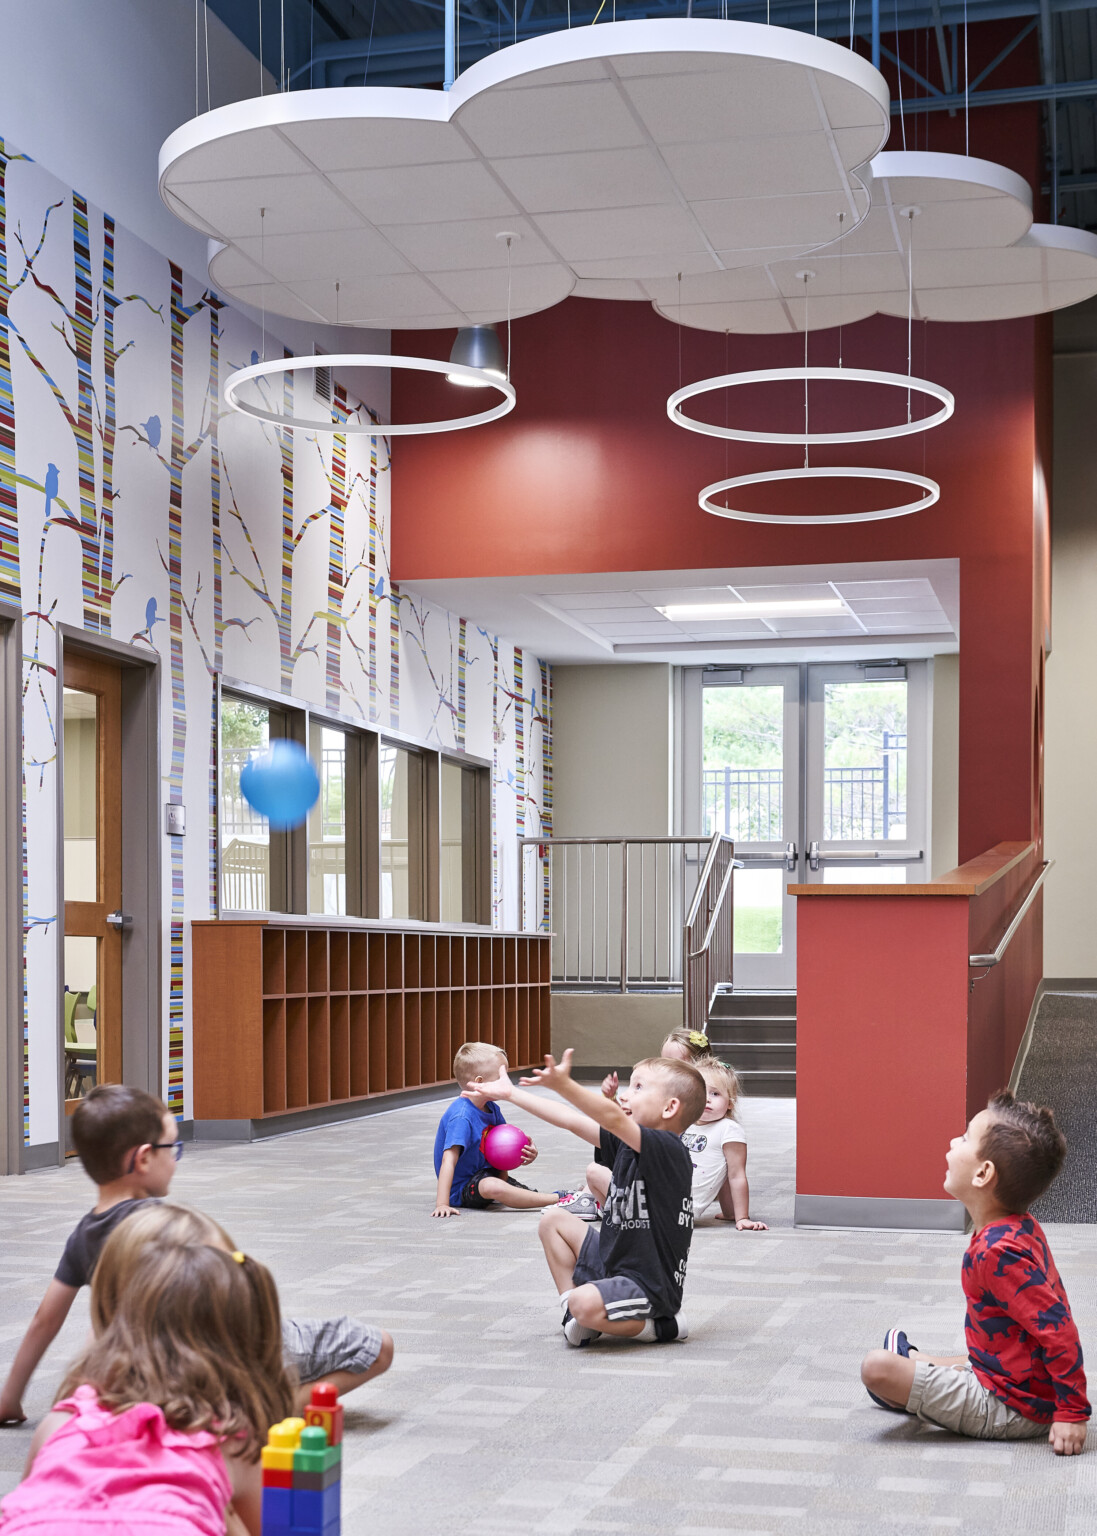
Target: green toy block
(314,1454)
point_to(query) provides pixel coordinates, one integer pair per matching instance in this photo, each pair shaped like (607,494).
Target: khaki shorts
(957,1400)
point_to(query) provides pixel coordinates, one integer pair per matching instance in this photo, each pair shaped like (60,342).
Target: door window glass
(865,762)
(452,776)
(81,772)
(743,762)
(81,1005)
(757,914)
(245,834)
(328,822)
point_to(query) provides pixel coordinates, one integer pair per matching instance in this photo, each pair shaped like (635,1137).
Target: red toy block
(325,1409)
(274,1477)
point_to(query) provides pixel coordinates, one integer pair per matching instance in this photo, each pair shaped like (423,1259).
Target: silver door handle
(119,919)
(813,855)
(791,856)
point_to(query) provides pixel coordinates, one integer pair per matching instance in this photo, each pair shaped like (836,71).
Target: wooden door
(91,755)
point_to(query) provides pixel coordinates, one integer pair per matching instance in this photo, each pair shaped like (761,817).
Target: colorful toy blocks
(325,1409)
(302,1472)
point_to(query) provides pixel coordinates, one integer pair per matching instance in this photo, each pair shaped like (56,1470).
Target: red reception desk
(899,1039)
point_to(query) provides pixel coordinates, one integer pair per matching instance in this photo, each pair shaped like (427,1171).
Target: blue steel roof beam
(1069,90)
(942,48)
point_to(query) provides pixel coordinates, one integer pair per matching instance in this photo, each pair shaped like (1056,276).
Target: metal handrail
(711,929)
(1007,937)
(702,880)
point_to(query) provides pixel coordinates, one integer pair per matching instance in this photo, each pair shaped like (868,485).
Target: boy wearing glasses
(129,1144)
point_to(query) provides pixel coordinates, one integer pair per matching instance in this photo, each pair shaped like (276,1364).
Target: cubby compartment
(456,961)
(428,1062)
(485,962)
(377,947)
(319,1051)
(428,955)
(442,961)
(339,1016)
(470,963)
(524,948)
(525,1054)
(443,1048)
(338,961)
(412,1013)
(296,962)
(358,1009)
(411,962)
(394,1041)
(274,1055)
(510,961)
(378,1042)
(394,962)
(359,961)
(297,1052)
(274,963)
(318,961)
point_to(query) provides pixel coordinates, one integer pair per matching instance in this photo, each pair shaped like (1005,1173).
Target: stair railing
(707,935)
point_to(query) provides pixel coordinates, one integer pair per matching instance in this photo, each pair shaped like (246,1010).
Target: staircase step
(769,1085)
(733,1005)
(763,1058)
(748,1031)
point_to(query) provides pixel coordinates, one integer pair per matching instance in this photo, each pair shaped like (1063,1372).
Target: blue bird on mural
(379,590)
(151,429)
(53,480)
(254,357)
(151,616)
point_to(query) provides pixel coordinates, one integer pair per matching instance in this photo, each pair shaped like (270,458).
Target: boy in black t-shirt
(627,1280)
(128,1142)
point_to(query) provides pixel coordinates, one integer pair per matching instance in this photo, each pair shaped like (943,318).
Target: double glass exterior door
(818,774)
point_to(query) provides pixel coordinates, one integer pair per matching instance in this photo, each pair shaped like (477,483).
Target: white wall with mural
(132,507)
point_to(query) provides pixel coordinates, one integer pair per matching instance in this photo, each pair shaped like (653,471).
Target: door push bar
(817,856)
(788,858)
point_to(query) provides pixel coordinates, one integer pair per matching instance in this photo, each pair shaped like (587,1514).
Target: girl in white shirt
(718,1146)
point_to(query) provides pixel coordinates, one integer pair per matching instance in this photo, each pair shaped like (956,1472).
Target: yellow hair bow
(696,1038)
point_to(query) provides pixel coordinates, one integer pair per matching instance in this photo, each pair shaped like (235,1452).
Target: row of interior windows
(397,831)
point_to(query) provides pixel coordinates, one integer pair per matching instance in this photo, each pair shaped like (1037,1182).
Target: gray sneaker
(580,1204)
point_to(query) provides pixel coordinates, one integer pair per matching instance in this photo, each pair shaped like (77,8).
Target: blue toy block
(315,1509)
(277,1510)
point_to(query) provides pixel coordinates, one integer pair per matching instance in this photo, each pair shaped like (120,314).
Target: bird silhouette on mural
(53,480)
(152,618)
(379,590)
(151,429)
(254,357)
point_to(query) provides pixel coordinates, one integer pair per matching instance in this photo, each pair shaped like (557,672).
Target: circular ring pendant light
(805,375)
(820,472)
(458,371)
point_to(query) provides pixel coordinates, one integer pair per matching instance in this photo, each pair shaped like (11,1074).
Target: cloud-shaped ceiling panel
(620,153)
(976,255)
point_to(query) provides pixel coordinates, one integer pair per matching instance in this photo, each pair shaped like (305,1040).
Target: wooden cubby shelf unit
(295,1016)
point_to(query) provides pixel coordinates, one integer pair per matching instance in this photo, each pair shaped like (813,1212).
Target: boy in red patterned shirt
(1022,1377)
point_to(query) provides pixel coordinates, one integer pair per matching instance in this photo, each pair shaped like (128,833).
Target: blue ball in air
(282,785)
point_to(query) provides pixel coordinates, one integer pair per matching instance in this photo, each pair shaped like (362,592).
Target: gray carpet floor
(1061,1071)
(489,1423)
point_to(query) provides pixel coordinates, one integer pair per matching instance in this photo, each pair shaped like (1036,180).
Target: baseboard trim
(875,1214)
(1019,1060)
(1070,984)
(324,1114)
(46,1154)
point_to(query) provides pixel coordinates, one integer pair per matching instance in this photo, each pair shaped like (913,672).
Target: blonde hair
(197,1332)
(724,1074)
(693,1041)
(151,1225)
(475,1058)
(683,1081)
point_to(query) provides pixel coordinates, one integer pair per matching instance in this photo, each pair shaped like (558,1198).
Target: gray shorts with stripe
(623,1299)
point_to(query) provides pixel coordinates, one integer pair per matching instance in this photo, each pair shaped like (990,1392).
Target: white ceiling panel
(601,234)
(426,194)
(587,116)
(532,288)
(465,245)
(795,162)
(293,204)
(349,144)
(291,258)
(592,179)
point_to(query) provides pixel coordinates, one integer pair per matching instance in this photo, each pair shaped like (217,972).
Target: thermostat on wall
(176,818)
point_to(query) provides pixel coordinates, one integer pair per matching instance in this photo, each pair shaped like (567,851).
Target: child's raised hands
(610,1084)
(554,1074)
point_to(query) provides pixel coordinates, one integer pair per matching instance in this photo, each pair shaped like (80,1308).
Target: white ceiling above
(911,607)
(631,150)
(976,256)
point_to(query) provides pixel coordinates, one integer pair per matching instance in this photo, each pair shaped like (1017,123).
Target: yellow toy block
(283,1440)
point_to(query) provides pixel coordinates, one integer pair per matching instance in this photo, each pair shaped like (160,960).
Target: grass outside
(757,930)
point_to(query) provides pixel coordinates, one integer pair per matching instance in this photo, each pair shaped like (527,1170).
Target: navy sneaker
(896,1343)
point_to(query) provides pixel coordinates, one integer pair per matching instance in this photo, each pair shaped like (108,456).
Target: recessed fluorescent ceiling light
(800,608)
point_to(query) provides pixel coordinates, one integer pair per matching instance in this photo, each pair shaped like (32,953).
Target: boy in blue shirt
(465,1177)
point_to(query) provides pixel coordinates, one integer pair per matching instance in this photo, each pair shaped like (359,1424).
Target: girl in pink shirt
(159,1424)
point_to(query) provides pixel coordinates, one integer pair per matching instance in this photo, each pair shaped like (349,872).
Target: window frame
(288,875)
